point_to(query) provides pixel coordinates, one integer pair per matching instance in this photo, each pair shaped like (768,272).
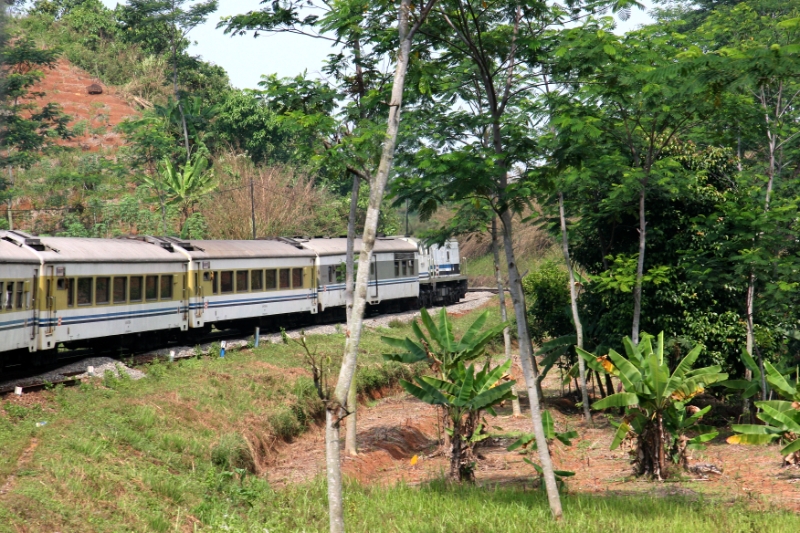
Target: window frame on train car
(397,268)
(215,282)
(295,272)
(98,281)
(270,273)
(8,299)
(288,284)
(169,279)
(411,267)
(2,296)
(131,299)
(19,303)
(89,282)
(222,281)
(257,275)
(124,299)
(147,296)
(242,275)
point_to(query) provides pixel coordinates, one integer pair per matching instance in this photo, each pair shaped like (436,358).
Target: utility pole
(253,207)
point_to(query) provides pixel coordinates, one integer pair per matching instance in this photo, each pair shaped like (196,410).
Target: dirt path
(395,429)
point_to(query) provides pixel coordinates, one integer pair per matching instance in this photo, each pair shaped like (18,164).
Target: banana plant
(464,395)
(655,402)
(183,186)
(751,387)
(781,418)
(439,348)
(527,440)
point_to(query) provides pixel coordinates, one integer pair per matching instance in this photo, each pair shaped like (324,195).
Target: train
(137,292)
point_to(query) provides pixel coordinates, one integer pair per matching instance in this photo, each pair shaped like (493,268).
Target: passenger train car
(140,291)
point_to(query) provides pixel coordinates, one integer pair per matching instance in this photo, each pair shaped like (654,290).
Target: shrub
(547,295)
(232,452)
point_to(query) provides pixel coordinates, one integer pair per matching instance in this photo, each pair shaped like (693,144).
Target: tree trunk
(637,289)
(529,369)
(350,442)
(501,296)
(175,91)
(573,297)
(333,471)
(355,324)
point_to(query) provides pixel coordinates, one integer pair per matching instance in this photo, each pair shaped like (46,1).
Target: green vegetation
(655,402)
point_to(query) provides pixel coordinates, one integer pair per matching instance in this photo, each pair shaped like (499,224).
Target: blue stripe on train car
(12,324)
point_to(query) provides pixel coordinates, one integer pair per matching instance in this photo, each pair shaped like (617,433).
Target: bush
(232,452)
(547,295)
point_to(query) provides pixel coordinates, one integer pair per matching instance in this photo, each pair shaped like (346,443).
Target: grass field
(188,449)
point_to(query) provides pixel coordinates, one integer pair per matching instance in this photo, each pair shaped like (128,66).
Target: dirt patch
(23,460)
(95,115)
(396,429)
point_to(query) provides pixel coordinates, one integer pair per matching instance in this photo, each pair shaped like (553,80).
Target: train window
(206,276)
(226,281)
(166,287)
(120,290)
(2,296)
(405,268)
(372,269)
(9,298)
(70,284)
(136,288)
(19,295)
(271,282)
(448,257)
(61,284)
(241,281)
(84,291)
(101,290)
(397,269)
(151,288)
(332,274)
(411,266)
(215,283)
(297,278)
(285,278)
(257,280)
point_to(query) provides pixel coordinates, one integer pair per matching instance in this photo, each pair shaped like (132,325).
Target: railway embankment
(186,445)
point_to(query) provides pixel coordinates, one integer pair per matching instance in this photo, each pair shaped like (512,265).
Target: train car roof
(244,249)
(86,250)
(338,246)
(12,253)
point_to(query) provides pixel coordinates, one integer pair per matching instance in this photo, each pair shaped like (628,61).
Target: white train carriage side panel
(392,276)
(234,280)
(94,288)
(19,268)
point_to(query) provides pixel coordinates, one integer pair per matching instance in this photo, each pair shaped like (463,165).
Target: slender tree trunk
(333,471)
(350,442)
(573,297)
(529,368)
(501,296)
(749,339)
(347,371)
(637,290)
(177,95)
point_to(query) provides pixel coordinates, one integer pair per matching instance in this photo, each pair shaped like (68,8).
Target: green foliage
(781,418)
(655,402)
(461,392)
(547,295)
(184,186)
(529,440)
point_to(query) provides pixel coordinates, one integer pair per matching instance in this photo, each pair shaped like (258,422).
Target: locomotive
(137,292)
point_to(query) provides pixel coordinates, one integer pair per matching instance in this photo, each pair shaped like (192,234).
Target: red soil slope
(95,114)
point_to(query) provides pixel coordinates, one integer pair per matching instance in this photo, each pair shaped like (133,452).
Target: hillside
(94,116)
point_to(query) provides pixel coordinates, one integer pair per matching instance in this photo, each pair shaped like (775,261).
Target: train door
(185,296)
(373,295)
(25,300)
(203,289)
(49,300)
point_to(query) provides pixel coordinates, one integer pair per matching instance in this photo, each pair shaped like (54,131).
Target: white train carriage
(19,268)
(110,289)
(393,281)
(257,280)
